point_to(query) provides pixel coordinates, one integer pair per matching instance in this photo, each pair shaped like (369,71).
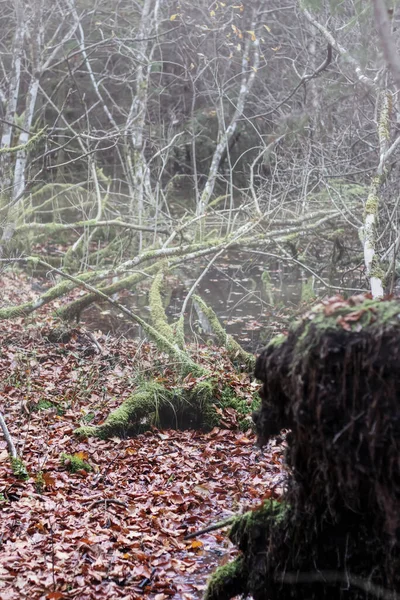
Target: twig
(292,259)
(11,448)
(95,342)
(147,580)
(302,81)
(106,501)
(212,527)
(52,557)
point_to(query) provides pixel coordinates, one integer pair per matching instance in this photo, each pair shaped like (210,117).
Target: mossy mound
(74,463)
(334,381)
(154,405)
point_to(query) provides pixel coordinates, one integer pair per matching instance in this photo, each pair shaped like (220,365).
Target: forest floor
(116,530)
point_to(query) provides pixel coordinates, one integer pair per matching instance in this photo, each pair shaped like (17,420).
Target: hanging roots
(334,381)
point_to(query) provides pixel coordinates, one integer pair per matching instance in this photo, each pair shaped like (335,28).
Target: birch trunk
(369,233)
(139,174)
(11,106)
(248,75)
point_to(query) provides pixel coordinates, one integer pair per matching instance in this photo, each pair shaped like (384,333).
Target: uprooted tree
(334,381)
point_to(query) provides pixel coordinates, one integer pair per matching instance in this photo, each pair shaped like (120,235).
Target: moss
(40,483)
(227,581)
(291,236)
(335,383)
(132,413)
(89,431)
(43,404)
(74,463)
(372,313)
(19,468)
(384,117)
(277,340)
(157,311)
(179,407)
(376,269)
(60,289)
(229,399)
(235,351)
(307,290)
(203,396)
(152,405)
(180,332)
(268,287)
(27,145)
(74,308)
(14,312)
(270,514)
(371,205)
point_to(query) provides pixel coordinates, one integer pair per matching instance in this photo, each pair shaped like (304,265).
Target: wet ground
(251,302)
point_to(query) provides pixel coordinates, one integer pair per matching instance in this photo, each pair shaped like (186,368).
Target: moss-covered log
(75,307)
(157,311)
(59,289)
(235,350)
(334,381)
(183,406)
(155,405)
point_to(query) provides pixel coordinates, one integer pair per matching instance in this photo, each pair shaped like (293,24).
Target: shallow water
(248,302)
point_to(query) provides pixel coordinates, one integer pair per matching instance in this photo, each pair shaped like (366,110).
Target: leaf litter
(116,530)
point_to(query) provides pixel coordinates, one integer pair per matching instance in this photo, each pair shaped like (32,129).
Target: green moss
(291,236)
(155,405)
(278,340)
(371,206)
(227,581)
(60,289)
(40,483)
(136,414)
(372,313)
(74,463)
(384,117)
(74,308)
(270,510)
(203,396)
(89,417)
(43,404)
(376,269)
(180,332)
(307,290)
(157,311)
(27,145)
(235,351)
(270,514)
(89,431)
(229,399)
(19,469)
(268,286)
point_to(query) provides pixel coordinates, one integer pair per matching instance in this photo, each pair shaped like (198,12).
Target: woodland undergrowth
(94,518)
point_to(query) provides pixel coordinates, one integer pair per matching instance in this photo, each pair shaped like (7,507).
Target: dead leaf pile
(116,529)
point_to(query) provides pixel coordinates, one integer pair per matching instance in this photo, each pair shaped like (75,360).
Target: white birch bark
(11,102)
(369,233)
(139,173)
(248,75)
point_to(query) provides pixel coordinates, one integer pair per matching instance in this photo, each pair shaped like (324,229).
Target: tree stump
(334,382)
